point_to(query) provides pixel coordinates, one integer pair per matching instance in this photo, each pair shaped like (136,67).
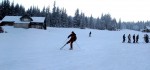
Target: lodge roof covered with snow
(147,27)
(16,19)
(38,19)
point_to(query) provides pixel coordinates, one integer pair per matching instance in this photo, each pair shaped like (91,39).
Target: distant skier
(124,38)
(1,30)
(90,34)
(129,38)
(137,38)
(134,38)
(146,38)
(72,39)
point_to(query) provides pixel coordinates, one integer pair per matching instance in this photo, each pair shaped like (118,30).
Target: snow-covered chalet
(24,22)
(147,29)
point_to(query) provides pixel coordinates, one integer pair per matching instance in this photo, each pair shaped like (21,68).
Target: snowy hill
(35,49)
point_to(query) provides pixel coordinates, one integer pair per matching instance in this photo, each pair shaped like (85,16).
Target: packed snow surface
(36,49)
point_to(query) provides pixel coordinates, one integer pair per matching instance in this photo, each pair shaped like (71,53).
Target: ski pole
(64,44)
(77,44)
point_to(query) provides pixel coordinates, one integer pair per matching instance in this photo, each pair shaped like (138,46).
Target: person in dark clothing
(146,38)
(1,30)
(134,38)
(124,38)
(72,39)
(90,34)
(137,38)
(129,38)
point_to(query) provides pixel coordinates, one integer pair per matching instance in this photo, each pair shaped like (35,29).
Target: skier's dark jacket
(73,37)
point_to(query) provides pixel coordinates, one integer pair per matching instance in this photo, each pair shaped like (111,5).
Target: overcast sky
(127,10)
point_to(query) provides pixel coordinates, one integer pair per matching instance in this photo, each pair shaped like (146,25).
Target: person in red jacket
(73,38)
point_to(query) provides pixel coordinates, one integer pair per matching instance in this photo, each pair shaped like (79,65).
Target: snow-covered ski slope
(35,49)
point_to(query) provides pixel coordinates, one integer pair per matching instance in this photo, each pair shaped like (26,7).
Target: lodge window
(26,20)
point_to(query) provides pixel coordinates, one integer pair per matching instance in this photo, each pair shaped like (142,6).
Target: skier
(1,30)
(137,38)
(146,38)
(134,38)
(124,38)
(129,38)
(90,34)
(72,39)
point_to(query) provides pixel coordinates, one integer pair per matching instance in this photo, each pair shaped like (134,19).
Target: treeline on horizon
(57,17)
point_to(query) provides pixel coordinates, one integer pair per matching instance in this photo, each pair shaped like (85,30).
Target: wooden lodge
(24,22)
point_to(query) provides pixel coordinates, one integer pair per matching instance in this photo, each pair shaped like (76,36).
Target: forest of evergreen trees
(57,17)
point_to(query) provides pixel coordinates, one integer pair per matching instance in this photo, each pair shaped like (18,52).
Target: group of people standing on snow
(135,38)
